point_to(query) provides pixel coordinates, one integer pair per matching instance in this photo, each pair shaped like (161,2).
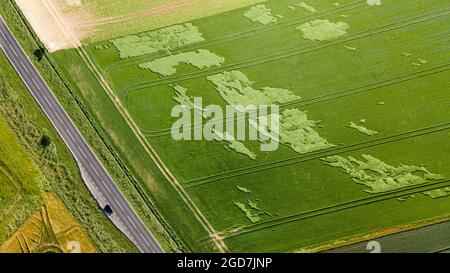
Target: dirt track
(44,24)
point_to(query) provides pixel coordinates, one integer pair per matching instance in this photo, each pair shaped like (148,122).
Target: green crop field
(21,184)
(364,104)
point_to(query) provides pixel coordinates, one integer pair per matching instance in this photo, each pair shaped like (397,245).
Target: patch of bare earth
(44,24)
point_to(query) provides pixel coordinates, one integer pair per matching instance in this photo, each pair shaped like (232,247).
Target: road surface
(96,178)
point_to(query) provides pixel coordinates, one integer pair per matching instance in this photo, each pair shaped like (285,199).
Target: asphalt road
(86,159)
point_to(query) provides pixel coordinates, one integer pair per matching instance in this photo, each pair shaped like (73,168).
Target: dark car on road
(107,210)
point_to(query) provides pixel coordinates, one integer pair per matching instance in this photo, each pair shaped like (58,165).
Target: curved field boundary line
(282,55)
(319,99)
(339,207)
(236,36)
(315,155)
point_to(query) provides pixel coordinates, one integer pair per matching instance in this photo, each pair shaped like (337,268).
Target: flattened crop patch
(236,89)
(181,97)
(298,132)
(158,40)
(438,193)
(322,30)
(307,7)
(260,14)
(380,177)
(362,129)
(234,145)
(166,66)
(295,129)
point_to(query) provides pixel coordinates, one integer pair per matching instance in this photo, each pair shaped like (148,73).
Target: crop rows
(282,55)
(236,36)
(323,98)
(315,155)
(338,207)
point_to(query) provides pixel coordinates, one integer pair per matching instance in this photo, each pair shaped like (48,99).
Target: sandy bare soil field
(45,24)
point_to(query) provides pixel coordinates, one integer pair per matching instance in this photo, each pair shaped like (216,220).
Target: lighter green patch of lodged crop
(243,189)
(251,208)
(234,144)
(237,90)
(438,193)
(181,97)
(362,129)
(374,2)
(380,177)
(159,40)
(322,30)
(298,132)
(253,205)
(295,129)
(166,66)
(253,217)
(185,101)
(307,7)
(260,14)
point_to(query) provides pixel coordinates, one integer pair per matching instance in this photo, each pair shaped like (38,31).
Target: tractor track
(315,155)
(236,36)
(403,192)
(282,55)
(319,99)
